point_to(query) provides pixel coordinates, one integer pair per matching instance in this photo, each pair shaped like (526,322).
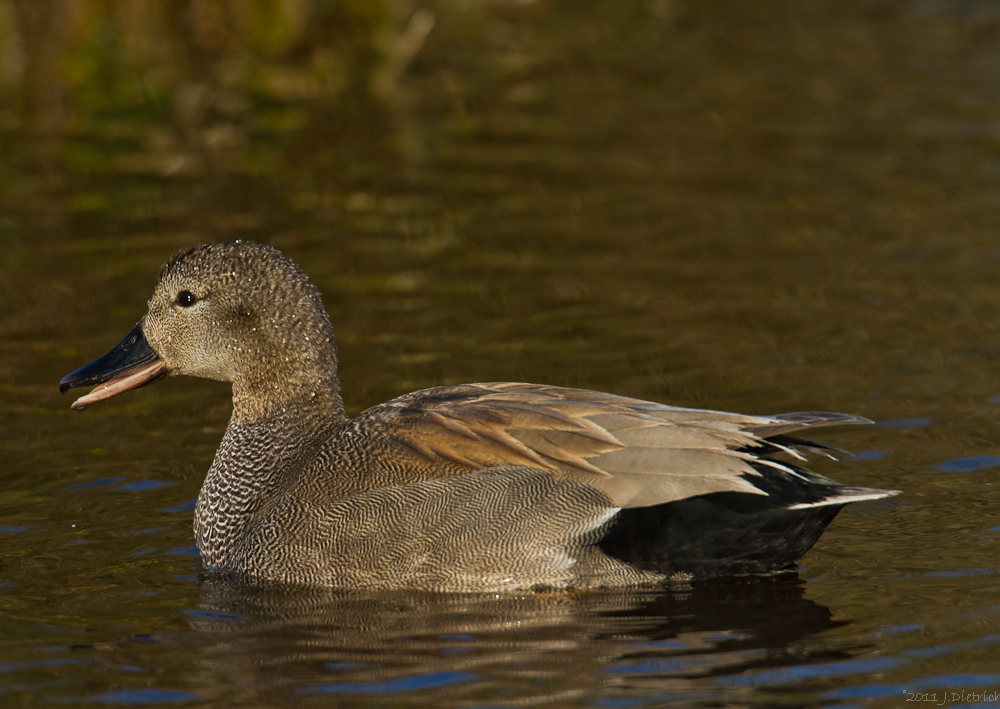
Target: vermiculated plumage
(471,487)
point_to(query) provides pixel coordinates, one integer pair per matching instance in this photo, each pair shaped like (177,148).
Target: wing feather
(639,453)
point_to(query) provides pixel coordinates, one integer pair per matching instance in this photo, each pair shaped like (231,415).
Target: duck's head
(238,312)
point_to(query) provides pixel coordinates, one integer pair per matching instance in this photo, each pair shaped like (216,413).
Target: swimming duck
(475,487)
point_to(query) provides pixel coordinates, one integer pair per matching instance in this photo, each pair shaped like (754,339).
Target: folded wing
(639,453)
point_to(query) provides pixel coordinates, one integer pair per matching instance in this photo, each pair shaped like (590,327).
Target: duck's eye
(186,299)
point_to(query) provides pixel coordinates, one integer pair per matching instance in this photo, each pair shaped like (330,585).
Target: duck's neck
(314,395)
(286,403)
(297,372)
(256,462)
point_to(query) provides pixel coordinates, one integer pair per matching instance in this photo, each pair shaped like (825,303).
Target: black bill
(131,364)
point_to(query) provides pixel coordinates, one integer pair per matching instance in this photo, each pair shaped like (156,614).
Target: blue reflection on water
(861,456)
(213,615)
(94,483)
(801,673)
(145,696)
(144,485)
(961,573)
(51,662)
(968,464)
(403,684)
(651,700)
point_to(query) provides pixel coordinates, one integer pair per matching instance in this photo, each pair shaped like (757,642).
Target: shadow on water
(447,650)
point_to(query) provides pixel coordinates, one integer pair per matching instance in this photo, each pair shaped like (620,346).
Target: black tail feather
(720,534)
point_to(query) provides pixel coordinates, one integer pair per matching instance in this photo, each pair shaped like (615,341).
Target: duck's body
(471,487)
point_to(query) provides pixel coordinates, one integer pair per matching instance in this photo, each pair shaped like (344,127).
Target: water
(757,207)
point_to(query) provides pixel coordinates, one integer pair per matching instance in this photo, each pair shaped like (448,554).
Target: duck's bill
(131,364)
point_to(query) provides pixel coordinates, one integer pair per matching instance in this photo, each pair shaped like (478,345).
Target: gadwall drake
(464,488)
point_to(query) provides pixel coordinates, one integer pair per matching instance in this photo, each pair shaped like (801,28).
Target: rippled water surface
(760,207)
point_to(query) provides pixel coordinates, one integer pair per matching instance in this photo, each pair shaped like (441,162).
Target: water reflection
(746,206)
(162,112)
(447,649)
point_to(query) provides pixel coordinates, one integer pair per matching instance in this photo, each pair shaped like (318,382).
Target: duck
(482,487)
